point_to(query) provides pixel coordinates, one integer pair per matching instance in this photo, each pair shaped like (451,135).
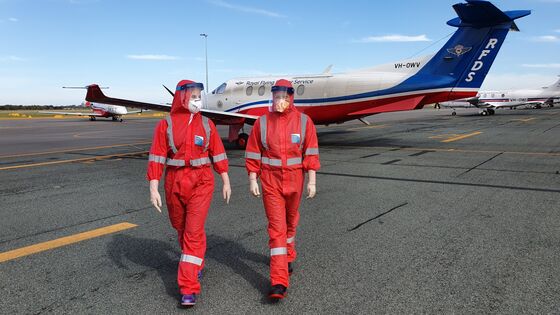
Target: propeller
(168,90)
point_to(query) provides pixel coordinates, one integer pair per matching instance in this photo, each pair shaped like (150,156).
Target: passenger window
(249,91)
(300,89)
(261,90)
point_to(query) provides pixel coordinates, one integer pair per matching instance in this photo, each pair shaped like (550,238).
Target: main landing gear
(242,140)
(92,118)
(486,112)
(115,118)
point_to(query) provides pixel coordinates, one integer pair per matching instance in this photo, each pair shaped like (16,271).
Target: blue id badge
(296,138)
(198,140)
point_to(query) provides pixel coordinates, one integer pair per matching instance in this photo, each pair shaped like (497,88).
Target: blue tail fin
(465,59)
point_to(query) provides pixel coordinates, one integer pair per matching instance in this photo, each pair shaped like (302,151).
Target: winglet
(327,70)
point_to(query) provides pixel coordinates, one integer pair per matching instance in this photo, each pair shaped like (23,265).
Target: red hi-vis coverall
(187,149)
(281,147)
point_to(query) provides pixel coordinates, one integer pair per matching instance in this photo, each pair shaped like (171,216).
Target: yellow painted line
(369,127)
(101,157)
(462,137)
(73,150)
(63,241)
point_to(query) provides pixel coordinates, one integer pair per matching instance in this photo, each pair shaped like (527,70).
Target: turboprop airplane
(488,101)
(456,71)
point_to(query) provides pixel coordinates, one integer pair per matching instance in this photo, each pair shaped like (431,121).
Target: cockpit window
(220,89)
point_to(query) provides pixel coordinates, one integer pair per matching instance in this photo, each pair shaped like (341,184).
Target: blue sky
(135,46)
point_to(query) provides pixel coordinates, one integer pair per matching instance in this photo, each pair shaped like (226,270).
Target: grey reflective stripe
(291,239)
(206,126)
(219,157)
(157,158)
(170,134)
(263,131)
(191,259)
(278,251)
(201,161)
(293,161)
(312,151)
(252,155)
(273,162)
(174,162)
(303,126)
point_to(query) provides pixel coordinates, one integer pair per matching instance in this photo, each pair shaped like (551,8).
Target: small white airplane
(488,101)
(115,112)
(456,71)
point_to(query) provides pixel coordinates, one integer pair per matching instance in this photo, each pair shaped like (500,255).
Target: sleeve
(253,150)
(217,151)
(158,152)
(311,148)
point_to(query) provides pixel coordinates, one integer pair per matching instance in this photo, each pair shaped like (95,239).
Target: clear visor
(195,96)
(280,101)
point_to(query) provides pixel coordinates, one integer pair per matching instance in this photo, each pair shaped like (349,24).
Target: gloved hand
(254,187)
(226,192)
(155,197)
(311,190)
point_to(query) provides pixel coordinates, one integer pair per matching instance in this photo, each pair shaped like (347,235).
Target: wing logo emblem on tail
(459,50)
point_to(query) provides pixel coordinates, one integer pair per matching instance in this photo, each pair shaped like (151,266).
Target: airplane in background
(456,71)
(115,112)
(488,101)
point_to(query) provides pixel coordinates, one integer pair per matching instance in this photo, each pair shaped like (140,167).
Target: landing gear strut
(242,140)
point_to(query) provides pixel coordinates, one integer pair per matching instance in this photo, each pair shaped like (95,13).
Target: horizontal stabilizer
(477,13)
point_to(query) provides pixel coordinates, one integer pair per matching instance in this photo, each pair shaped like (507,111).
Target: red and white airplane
(115,112)
(456,71)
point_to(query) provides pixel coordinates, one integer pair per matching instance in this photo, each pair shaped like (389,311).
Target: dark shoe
(188,299)
(199,275)
(290,268)
(277,292)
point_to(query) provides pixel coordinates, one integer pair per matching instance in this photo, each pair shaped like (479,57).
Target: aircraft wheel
(242,140)
(453,113)
(484,113)
(92,118)
(121,120)
(491,112)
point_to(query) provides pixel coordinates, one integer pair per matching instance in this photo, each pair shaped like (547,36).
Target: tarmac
(419,212)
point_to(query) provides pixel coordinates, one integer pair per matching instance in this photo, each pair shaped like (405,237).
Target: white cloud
(13,19)
(557,31)
(224,4)
(11,58)
(547,38)
(152,57)
(393,38)
(541,65)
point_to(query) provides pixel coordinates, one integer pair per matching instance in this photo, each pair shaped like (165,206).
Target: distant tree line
(39,107)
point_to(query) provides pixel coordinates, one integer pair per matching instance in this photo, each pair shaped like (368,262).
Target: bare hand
(155,199)
(226,192)
(254,187)
(311,190)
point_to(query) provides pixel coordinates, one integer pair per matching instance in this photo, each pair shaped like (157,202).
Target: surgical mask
(195,105)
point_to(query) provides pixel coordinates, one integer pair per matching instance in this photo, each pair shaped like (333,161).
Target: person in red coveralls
(282,147)
(188,143)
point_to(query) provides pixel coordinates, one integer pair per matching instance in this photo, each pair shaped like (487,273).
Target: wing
(94,94)
(72,114)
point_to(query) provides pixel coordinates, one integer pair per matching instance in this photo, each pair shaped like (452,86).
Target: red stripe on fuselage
(327,114)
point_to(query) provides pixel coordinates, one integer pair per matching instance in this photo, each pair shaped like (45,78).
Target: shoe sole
(277,296)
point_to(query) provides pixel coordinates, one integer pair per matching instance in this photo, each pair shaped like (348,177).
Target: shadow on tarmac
(164,257)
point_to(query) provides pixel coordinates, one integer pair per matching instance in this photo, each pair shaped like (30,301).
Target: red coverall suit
(188,149)
(281,147)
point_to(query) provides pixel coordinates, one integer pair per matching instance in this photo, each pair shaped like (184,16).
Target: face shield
(281,98)
(193,96)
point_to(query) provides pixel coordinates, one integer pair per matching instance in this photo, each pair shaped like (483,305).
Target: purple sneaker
(188,299)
